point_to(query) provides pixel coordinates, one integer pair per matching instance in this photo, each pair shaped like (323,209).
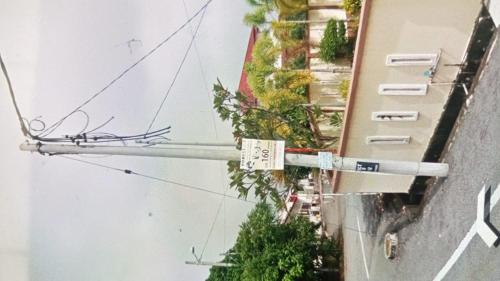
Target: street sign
(325,160)
(367,166)
(262,154)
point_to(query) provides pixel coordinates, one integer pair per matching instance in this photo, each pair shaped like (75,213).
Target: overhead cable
(52,127)
(179,68)
(203,76)
(130,172)
(24,129)
(211,229)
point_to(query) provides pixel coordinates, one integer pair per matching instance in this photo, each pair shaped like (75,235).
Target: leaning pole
(344,164)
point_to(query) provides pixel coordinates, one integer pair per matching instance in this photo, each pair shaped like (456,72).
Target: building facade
(407,58)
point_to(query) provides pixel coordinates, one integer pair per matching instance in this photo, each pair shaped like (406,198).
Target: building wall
(405,26)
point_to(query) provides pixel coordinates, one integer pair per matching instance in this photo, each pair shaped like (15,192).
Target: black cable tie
(84,137)
(127,171)
(39,148)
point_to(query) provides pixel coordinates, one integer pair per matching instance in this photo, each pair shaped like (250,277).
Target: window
(388,140)
(411,59)
(402,89)
(395,116)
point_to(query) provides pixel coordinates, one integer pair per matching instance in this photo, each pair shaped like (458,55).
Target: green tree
(280,121)
(334,42)
(265,53)
(266,80)
(270,251)
(263,12)
(257,17)
(261,8)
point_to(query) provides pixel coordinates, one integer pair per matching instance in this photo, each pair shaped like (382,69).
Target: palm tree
(262,8)
(258,16)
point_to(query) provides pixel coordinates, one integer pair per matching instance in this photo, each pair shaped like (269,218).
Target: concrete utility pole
(208,263)
(198,261)
(344,164)
(187,143)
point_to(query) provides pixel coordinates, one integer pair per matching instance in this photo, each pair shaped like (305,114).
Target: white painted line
(495,197)
(458,252)
(477,227)
(489,237)
(362,249)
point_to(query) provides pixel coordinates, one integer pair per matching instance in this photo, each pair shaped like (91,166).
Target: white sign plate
(325,160)
(262,154)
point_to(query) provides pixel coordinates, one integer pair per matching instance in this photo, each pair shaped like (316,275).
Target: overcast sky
(64,220)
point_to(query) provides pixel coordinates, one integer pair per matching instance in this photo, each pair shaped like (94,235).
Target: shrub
(334,41)
(336,119)
(352,6)
(298,32)
(298,62)
(344,88)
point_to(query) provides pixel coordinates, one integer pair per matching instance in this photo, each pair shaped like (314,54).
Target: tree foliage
(263,8)
(337,119)
(344,88)
(261,67)
(334,42)
(290,7)
(269,251)
(281,92)
(249,121)
(256,17)
(281,120)
(266,80)
(352,7)
(290,32)
(298,62)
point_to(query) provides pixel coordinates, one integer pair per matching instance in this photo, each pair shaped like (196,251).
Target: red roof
(243,87)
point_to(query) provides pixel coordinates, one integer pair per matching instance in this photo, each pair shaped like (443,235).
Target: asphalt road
(450,206)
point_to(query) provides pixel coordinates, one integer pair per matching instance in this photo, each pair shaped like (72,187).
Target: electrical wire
(212,227)
(221,169)
(224,195)
(222,205)
(177,72)
(24,128)
(130,172)
(29,129)
(102,137)
(203,76)
(52,127)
